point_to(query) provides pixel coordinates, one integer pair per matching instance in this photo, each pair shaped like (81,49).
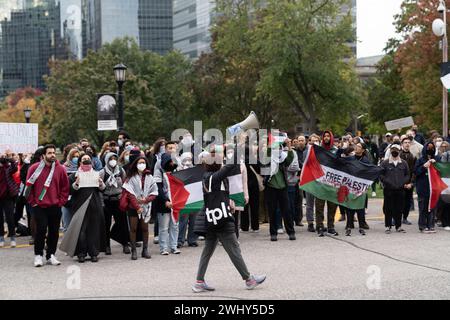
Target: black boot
(145,253)
(133,251)
(126,249)
(108,251)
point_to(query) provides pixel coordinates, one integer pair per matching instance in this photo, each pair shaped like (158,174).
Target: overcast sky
(375,18)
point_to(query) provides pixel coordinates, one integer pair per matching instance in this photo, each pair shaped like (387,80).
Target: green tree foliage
(300,50)
(155,90)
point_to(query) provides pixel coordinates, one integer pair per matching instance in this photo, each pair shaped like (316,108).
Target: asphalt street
(375,266)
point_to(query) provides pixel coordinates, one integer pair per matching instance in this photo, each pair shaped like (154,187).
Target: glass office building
(30,36)
(193,18)
(149,22)
(156,25)
(191,22)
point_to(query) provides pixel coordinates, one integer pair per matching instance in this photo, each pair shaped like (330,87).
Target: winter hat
(134,154)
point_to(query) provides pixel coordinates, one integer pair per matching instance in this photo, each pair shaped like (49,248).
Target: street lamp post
(120,72)
(27,113)
(440,30)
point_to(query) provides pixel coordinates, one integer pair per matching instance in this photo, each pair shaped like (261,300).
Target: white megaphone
(250,123)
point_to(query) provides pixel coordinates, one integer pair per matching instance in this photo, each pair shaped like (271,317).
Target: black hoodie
(422,183)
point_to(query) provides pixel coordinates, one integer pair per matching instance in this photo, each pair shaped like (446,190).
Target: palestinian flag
(341,181)
(445,75)
(276,138)
(439,178)
(186,190)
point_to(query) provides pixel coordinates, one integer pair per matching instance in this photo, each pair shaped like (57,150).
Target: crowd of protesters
(132,192)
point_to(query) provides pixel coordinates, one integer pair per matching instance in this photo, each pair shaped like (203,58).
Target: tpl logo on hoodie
(218,214)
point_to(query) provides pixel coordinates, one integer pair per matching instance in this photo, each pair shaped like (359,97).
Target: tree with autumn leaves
(417,57)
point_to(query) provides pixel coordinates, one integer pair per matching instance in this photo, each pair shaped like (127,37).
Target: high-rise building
(30,36)
(156,25)
(191,22)
(149,22)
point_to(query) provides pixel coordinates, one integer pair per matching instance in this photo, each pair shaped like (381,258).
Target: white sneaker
(38,261)
(201,238)
(447,228)
(255,231)
(280,231)
(13,243)
(156,240)
(374,194)
(2,243)
(53,261)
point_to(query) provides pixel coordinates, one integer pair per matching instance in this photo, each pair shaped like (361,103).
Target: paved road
(377,266)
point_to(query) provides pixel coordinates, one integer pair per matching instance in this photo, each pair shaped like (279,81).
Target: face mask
(129,147)
(112,163)
(75,161)
(120,142)
(26,161)
(86,162)
(316,143)
(438,144)
(86,167)
(162,150)
(395,154)
(141,167)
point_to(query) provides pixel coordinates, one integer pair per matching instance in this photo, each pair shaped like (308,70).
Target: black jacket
(394,177)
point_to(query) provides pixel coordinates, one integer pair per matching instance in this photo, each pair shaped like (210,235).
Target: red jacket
(58,192)
(129,201)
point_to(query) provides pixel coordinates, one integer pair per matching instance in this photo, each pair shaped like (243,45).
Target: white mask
(26,161)
(438,145)
(120,142)
(113,163)
(141,167)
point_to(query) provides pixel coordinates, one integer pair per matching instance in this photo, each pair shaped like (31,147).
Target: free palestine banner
(339,180)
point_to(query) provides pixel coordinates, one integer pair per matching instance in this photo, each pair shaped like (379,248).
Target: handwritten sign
(18,137)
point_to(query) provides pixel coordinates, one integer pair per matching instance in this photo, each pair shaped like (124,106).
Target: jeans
(7,207)
(186,223)
(46,219)
(426,217)
(66,217)
(231,246)
(309,208)
(168,232)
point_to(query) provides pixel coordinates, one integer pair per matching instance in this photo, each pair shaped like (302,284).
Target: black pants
(275,198)
(251,212)
(46,219)
(407,202)
(110,210)
(18,212)
(393,207)
(445,214)
(351,218)
(7,208)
